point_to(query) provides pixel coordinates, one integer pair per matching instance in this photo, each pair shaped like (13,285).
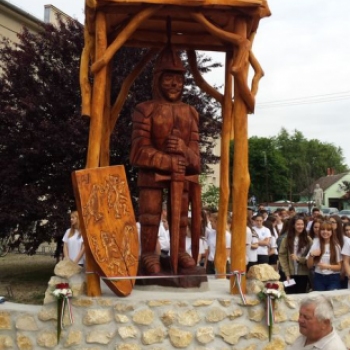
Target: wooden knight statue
(165,148)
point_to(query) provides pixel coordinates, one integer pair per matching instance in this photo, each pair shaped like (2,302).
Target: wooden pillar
(106,126)
(96,127)
(220,254)
(241,178)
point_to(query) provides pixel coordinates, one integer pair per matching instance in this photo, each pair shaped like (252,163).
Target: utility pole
(266,177)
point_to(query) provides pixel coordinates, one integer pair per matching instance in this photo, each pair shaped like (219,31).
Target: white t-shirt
(164,238)
(248,242)
(202,245)
(280,226)
(273,244)
(211,241)
(253,253)
(74,244)
(263,233)
(138,227)
(326,257)
(308,225)
(346,246)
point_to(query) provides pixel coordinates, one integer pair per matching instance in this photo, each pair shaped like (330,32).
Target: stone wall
(210,318)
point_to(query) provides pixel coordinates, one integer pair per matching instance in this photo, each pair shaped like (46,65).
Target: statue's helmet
(169,60)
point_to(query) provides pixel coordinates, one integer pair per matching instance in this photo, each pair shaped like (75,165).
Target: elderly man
(315,325)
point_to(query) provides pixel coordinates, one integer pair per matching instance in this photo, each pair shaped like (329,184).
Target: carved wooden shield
(108,226)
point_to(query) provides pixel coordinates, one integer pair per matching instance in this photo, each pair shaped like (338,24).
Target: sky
(304,50)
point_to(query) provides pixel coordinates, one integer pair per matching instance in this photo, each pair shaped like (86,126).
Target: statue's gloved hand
(178,165)
(175,145)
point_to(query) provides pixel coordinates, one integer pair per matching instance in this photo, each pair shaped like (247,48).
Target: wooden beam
(154,39)
(106,127)
(94,148)
(186,2)
(128,81)
(199,80)
(85,86)
(241,178)
(122,37)
(220,255)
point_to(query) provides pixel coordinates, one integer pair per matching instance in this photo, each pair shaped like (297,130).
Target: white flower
(62,293)
(56,292)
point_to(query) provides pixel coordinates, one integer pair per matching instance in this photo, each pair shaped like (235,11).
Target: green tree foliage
(268,169)
(43,137)
(282,166)
(210,196)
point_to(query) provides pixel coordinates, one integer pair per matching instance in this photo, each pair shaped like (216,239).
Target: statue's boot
(150,263)
(186,261)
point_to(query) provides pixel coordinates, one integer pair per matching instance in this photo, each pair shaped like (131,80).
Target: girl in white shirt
(325,255)
(264,239)
(73,245)
(211,241)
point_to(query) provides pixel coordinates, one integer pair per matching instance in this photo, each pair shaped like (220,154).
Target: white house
(334,193)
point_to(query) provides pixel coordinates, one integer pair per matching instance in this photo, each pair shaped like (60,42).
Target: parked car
(345,212)
(302,210)
(330,211)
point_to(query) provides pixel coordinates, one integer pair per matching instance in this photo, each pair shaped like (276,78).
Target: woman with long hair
(325,256)
(271,223)
(73,245)
(314,234)
(292,255)
(346,230)
(337,227)
(315,228)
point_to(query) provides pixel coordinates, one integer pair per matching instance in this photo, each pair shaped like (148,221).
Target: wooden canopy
(211,25)
(190,21)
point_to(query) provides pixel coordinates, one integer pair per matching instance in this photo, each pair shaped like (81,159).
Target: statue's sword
(176,189)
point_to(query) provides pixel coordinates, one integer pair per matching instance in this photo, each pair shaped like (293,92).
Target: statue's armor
(153,122)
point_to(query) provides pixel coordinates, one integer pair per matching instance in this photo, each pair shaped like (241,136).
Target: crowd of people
(310,253)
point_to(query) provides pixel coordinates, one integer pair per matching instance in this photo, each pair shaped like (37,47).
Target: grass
(24,279)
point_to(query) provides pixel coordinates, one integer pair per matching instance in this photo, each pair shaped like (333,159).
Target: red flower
(275,286)
(270,285)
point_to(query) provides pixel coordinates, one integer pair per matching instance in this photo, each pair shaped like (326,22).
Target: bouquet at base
(269,294)
(62,293)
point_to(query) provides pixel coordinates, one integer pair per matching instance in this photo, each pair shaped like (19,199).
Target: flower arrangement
(62,293)
(269,294)
(270,290)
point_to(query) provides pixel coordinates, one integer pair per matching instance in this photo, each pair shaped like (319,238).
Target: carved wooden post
(106,127)
(241,178)
(96,126)
(220,256)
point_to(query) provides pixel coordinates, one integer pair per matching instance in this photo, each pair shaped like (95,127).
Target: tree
(43,136)
(307,160)
(282,166)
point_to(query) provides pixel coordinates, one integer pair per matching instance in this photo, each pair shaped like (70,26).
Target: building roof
(325,182)
(5,4)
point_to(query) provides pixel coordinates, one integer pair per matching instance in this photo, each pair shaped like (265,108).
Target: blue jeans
(326,282)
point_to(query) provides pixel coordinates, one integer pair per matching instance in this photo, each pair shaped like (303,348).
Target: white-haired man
(315,325)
